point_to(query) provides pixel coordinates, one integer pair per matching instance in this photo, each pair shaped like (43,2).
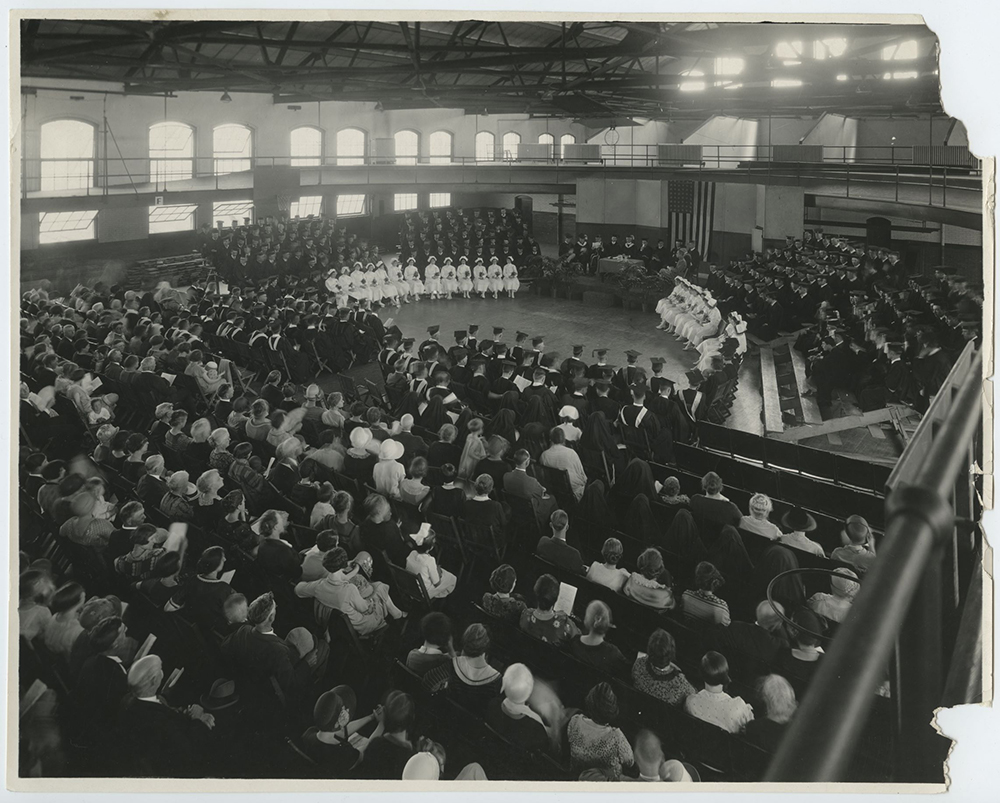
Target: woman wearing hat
(432,278)
(336,591)
(836,605)
(388,472)
(412,276)
(511,283)
(438,582)
(449,279)
(327,742)
(859,545)
(464,274)
(799,523)
(479,275)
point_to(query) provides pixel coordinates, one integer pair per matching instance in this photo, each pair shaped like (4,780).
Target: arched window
(232,148)
(546,139)
(486,147)
(407,147)
(441,148)
(350,146)
(510,142)
(67,151)
(171,152)
(564,140)
(306,146)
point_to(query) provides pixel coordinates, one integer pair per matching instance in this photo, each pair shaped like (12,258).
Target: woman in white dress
(667,307)
(464,273)
(395,274)
(482,284)
(374,282)
(495,274)
(432,278)
(510,281)
(438,582)
(344,286)
(449,282)
(412,276)
(359,283)
(390,293)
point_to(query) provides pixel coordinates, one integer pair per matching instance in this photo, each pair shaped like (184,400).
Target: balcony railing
(918,609)
(936,168)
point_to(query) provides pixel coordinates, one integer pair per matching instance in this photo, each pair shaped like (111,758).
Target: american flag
(691,206)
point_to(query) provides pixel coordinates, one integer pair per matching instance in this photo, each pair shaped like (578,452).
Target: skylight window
(780,83)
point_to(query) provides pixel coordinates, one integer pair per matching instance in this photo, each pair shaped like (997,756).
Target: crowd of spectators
(307,562)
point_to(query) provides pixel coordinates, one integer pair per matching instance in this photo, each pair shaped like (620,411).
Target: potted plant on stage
(641,289)
(562,272)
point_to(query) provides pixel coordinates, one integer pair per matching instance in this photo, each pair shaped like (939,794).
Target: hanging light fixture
(225,97)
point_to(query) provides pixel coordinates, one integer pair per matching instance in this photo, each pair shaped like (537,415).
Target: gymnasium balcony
(941,183)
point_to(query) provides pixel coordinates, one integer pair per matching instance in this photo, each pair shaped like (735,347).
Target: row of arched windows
(67,149)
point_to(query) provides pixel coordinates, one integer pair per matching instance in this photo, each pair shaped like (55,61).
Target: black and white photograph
(501,400)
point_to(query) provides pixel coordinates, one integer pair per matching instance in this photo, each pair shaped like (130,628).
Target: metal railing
(901,613)
(897,165)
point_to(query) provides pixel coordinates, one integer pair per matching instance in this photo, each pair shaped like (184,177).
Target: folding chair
(449,537)
(411,586)
(481,541)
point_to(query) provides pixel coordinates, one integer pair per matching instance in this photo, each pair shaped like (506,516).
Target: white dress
(395,275)
(374,283)
(388,288)
(482,283)
(510,280)
(464,273)
(412,276)
(495,274)
(449,284)
(432,279)
(359,285)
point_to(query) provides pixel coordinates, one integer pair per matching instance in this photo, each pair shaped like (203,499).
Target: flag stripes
(691,209)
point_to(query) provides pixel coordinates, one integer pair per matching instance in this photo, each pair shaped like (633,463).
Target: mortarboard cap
(632,354)
(461,334)
(577,351)
(433,330)
(537,341)
(521,336)
(497,330)
(508,364)
(408,341)
(598,352)
(473,328)
(657,362)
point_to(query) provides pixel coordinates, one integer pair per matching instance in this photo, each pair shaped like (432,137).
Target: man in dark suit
(555,549)
(750,648)
(161,741)
(257,655)
(100,685)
